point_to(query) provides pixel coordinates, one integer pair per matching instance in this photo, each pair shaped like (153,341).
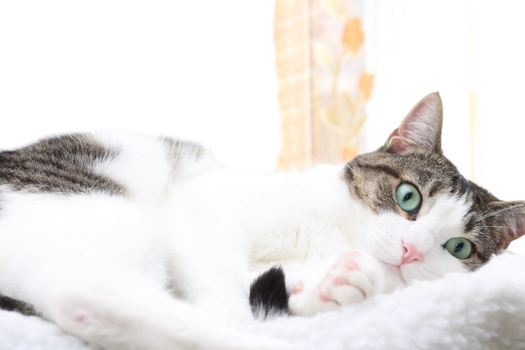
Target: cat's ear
(510,218)
(421,128)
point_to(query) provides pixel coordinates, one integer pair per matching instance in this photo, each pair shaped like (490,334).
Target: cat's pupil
(407,196)
(459,247)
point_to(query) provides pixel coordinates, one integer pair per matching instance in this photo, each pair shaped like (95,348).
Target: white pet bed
(481,310)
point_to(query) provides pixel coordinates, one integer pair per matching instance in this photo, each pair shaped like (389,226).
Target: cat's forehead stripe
(383,168)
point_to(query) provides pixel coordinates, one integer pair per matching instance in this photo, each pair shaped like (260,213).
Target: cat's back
(110,163)
(90,201)
(96,187)
(62,164)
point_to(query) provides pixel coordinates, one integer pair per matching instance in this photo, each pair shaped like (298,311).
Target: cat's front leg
(348,277)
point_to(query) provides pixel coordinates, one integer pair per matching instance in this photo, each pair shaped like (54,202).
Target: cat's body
(151,215)
(132,242)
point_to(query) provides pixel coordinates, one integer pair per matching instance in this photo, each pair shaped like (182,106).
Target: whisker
(494,226)
(499,211)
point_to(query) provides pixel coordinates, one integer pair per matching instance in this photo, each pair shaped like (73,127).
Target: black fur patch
(10,304)
(268,294)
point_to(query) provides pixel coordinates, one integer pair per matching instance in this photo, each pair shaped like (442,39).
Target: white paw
(348,278)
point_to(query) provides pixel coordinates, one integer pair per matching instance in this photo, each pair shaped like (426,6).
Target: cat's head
(425,219)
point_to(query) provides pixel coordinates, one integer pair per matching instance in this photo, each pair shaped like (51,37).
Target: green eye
(408,197)
(459,247)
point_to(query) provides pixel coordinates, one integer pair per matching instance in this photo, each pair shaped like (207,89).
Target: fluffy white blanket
(481,310)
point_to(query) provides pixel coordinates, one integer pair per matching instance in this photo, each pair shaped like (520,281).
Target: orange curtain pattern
(323,83)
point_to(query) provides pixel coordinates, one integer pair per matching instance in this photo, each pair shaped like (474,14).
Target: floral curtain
(324,85)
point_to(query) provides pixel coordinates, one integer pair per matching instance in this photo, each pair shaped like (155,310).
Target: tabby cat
(130,242)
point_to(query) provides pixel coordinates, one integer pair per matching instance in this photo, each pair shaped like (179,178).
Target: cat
(132,242)
(418,219)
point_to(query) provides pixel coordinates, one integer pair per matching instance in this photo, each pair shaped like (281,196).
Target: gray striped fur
(61,164)
(180,151)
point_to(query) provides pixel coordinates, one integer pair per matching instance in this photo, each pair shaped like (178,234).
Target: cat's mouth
(394,269)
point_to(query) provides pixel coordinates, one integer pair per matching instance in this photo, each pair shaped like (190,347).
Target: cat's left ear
(510,218)
(421,128)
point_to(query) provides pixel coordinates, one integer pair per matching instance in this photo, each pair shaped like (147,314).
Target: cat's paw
(348,278)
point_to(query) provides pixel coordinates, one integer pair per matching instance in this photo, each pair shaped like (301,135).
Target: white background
(455,47)
(202,70)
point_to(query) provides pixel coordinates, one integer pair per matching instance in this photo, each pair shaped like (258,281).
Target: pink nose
(410,254)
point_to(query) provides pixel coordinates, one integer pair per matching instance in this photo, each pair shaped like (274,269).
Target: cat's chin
(393,277)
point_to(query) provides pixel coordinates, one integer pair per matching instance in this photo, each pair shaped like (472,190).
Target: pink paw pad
(352,265)
(82,317)
(324,297)
(298,288)
(340,281)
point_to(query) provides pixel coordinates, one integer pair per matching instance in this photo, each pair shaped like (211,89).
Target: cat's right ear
(421,128)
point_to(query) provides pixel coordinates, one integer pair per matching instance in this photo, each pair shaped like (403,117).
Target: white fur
(100,266)
(476,311)
(438,221)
